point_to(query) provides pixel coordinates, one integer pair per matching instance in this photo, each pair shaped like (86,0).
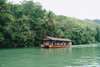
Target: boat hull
(56,46)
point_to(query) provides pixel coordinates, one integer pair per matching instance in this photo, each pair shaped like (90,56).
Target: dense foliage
(26,24)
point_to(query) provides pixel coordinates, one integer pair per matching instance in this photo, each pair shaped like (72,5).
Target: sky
(82,9)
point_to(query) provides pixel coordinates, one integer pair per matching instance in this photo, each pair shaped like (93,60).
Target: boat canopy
(57,39)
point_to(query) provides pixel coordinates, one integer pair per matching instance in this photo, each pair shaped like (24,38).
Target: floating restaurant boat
(52,42)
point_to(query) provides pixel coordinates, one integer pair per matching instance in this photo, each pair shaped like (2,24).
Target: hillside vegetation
(26,24)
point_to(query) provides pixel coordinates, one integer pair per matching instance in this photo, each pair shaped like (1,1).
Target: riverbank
(86,45)
(77,46)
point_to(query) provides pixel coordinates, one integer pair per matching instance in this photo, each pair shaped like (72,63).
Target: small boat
(51,42)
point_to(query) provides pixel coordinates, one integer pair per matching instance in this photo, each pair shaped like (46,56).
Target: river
(60,57)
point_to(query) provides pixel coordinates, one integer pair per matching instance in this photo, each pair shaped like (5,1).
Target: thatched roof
(57,39)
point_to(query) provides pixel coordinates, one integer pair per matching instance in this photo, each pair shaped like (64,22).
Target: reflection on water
(60,57)
(73,57)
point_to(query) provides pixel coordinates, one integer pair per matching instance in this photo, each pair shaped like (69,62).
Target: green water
(60,57)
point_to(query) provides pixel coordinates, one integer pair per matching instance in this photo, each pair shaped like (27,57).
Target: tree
(27,24)
(98,34)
